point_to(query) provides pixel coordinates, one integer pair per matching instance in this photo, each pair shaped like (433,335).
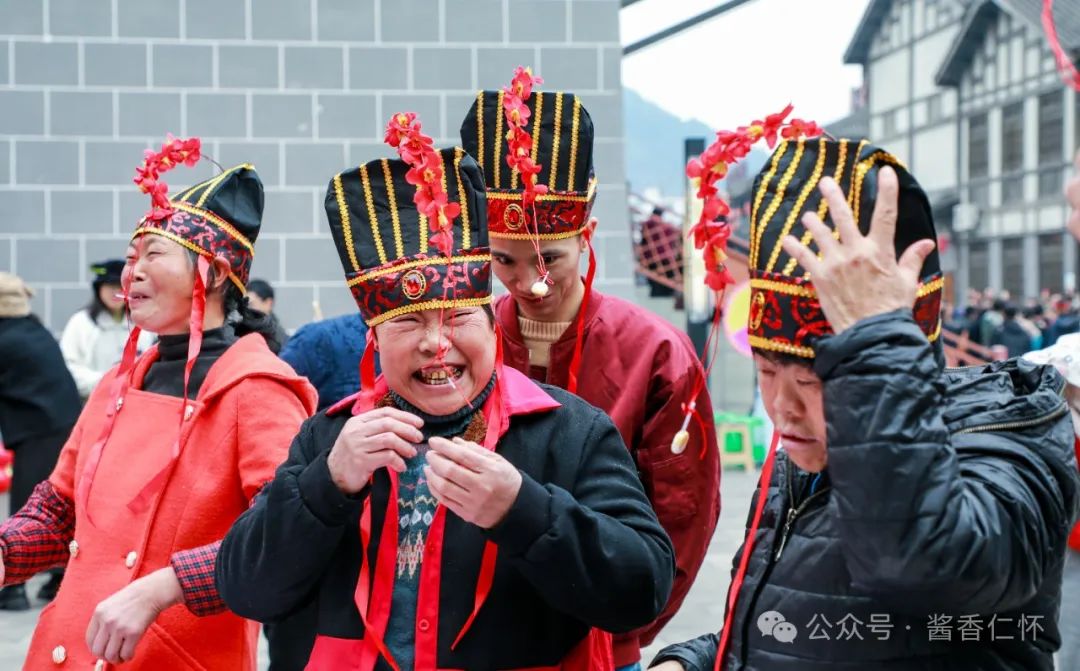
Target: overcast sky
(747,62)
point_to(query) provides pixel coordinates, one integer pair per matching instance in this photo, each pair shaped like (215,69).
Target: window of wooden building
(1051,143)
(1051,262)
(978,265)
(1012,267)
(979,159)
(1012,152)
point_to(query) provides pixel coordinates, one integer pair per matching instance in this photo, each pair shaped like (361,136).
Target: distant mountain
(654,147)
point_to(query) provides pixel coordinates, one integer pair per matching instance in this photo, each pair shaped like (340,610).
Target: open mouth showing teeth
(438,376)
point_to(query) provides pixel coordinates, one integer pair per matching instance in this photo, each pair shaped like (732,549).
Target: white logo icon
(772,623)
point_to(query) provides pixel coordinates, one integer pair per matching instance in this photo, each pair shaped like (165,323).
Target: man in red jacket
(617,356)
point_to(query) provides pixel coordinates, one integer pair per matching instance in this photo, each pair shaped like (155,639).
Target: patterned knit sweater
(416,510)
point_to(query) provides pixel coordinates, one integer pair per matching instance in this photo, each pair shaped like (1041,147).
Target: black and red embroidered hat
(785,315)
(561,134)
(392,264)
(219,217)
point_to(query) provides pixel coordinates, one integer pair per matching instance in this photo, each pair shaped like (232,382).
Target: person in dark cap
(557,329)
(93,339)
(913,518)
(168,451)
(261,299)
(453,514)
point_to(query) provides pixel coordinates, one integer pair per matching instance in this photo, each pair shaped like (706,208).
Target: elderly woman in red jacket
(170,448)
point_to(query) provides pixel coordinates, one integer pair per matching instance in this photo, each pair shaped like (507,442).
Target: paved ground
(701,612)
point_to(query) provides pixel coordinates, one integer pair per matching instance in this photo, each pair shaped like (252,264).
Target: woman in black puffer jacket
(916,519)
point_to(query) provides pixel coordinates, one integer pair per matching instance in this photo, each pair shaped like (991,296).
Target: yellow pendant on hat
(680,441)
(539,288)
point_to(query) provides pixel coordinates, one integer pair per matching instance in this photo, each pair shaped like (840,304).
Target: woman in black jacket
(39,405)
(454,514)
(916,518)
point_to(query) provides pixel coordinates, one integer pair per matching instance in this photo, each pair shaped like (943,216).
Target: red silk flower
(712,165)
(175,151)
(426,174)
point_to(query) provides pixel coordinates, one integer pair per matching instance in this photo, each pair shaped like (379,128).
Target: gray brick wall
(300,88)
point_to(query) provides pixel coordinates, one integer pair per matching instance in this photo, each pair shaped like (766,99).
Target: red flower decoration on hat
(1069,74)
(712,165)
(518,140)
(799,128)
(174,152)
(770,127)
(425,173)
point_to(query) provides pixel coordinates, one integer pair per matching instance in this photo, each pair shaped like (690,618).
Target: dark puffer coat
(936,539)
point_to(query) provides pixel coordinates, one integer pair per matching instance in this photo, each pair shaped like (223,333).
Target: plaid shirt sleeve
(36,538)
(195,570)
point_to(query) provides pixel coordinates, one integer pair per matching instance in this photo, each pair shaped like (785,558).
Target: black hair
(783,359)
(262,289)
(96,307)
(241,316)
(1010,311)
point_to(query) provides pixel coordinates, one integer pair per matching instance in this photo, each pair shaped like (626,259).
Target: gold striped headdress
(785,315)
(392,265)
(561,133)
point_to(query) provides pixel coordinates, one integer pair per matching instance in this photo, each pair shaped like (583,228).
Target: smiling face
(161,279)
(793,398)
(407,347)
(515,264)
(161,283)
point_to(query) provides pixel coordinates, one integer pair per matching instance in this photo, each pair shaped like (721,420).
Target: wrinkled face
(407,346)
(161,282)
(109,294)
(515,265)
(793,398)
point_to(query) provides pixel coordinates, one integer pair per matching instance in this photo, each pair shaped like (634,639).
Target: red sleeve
(266,427)
(684,488)
(36,538)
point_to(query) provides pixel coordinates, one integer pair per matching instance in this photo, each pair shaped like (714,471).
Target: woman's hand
(859,276)
(477,485)
(119,622)
(383,437)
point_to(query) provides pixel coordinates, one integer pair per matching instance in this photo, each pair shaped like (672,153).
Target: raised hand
(859,276)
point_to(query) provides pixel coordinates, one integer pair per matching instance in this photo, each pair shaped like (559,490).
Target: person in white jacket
(94,337)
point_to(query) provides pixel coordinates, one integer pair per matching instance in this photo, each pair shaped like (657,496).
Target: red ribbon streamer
(748,549)
(575,361)
(1069,73)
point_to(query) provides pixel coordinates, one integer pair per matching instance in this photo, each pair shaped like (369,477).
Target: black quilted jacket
(936,539)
